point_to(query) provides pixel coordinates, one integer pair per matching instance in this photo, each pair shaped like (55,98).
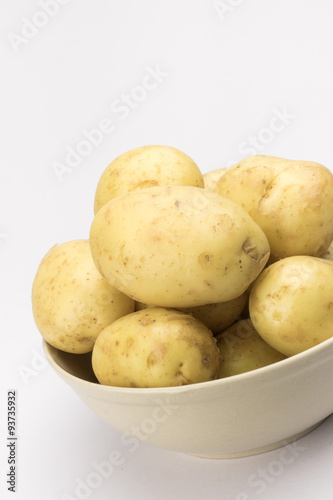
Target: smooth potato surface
(290,200)
(71,301)
(155,347)
(243,349)
(291,303)
(144,167)
(177,246)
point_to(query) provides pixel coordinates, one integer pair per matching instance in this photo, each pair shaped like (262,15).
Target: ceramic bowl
(233,417)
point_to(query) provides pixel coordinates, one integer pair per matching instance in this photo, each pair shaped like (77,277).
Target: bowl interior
(77,365)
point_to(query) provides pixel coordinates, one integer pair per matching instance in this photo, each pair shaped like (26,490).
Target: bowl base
(262,449)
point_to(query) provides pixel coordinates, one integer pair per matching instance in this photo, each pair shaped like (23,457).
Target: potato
(329,254)
(216,317)
(177,246)
(290,200)
(155,347)
(291,303)
(243,350)
(144,167)
(210,178)
(71,301)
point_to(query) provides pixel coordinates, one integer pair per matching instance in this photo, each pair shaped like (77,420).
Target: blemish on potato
(250,249)
(129,342)
(206,360)
(220,221)
(157,355)
(145,321)
(84,340)
(205,260)
(182,379)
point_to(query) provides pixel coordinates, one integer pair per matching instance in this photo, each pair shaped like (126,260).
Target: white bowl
(233,417)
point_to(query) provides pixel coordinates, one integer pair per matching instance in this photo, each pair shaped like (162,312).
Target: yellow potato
(291,303)
(217,316)
(71,301)
(290,200)
(211,178)
(144,167)
(177,246)
(155,347)
(329,254)
(243,350)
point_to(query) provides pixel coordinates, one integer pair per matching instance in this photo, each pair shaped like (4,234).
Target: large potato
(155,347)
(177,246)
(290,200)
(243,349)
(71,301)
(291,303)
(144,167)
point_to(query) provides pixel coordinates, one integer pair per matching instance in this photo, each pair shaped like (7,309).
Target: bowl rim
(300,359)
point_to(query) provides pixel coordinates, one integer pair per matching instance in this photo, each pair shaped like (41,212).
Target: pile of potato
(185,277)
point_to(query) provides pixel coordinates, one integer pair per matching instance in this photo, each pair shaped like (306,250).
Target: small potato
(177,246)
(290,200)
(291,303)
(216,317)
(243,350)
(144,167)
(210,178)
(71,301)
(219,316)
(155,347)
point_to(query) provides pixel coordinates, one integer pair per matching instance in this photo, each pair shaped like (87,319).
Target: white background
(224,74)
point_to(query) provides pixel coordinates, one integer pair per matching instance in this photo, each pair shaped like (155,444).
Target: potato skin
(290,200)
(210,178)
(291,303)
(71,301)
(155,347)
(146,166)
(243,349)
(217,316)
(177,246)
(220,315)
